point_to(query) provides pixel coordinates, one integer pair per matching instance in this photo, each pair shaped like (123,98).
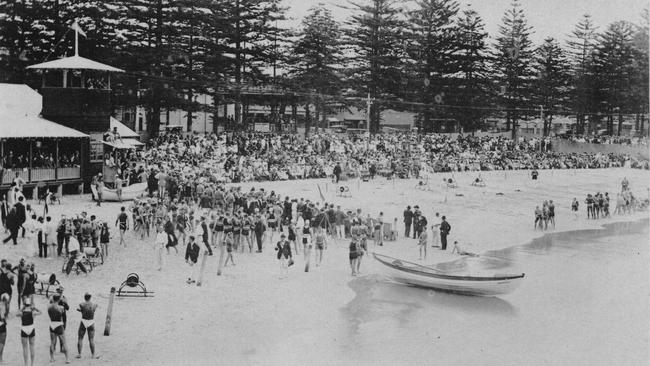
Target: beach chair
(139,289)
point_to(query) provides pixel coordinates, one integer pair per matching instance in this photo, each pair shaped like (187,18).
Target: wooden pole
(222,254)
(109,313)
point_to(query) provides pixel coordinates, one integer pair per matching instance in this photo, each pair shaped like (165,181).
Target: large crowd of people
(185,162)
(608,140)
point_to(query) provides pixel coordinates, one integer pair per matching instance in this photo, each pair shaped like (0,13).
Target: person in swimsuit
(551,213)
(422,243)
(306,244)
(6,283)
(354,250)
(292,235)
(27,331)
(122,222)
(229,245)
(321,242)
(538,217)
(4,309)
(574,207)
(246,227)
(21,269)
(361,250)
(271,222)
(87,310)
(57,330)
(29,282)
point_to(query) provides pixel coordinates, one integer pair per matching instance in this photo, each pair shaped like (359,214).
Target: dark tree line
(432,58)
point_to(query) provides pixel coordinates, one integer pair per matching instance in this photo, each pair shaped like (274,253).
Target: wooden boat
(423,276)
(128,193)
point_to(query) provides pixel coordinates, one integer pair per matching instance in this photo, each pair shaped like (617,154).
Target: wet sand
(583,302)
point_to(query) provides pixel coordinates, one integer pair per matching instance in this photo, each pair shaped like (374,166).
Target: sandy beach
(248,316)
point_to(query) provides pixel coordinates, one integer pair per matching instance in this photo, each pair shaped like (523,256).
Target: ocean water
(584,301)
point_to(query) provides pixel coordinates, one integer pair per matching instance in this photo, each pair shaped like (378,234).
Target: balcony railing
(40,174)
(69,173)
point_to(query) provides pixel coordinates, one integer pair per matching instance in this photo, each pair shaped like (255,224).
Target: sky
(549,18)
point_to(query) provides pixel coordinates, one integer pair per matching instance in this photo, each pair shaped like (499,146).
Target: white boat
(128,193)
(423,276)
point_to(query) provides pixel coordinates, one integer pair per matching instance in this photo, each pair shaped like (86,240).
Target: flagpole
(76,39)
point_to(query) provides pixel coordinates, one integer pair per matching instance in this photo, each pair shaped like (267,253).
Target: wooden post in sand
(222,253)
(109,313)
(199,282)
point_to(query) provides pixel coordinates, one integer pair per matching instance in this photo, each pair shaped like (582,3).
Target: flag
(75,26)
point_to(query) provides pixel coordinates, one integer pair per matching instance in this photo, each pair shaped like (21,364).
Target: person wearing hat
(283,247)
(408,220)
(191,257)
(445,228)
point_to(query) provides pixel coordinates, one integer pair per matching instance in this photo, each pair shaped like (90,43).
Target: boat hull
(466,285)
(128,193)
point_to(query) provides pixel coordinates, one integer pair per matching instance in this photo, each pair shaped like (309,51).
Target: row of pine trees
(431,57)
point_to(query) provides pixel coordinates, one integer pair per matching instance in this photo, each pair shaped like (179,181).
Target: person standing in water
(87,310)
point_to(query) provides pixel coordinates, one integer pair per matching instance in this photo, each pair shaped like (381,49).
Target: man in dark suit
(337,172)
(4,211)
(286,209)
(21,211)
(408,220)
(12,226)
(445,228)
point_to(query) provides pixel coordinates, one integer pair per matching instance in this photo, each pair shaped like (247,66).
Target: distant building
(353,117)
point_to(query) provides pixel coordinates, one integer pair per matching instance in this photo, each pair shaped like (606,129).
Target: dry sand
(248,316)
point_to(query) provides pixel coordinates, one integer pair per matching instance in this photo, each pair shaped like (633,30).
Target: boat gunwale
(443,276)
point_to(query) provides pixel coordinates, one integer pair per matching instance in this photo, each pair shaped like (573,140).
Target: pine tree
(472,78)
(315,56)
(614,69)
(146,33)
(552,81)
(374,37)
(581,46)
(249,37)
(640,79)
(21,43)
(513,61)
(432,43)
